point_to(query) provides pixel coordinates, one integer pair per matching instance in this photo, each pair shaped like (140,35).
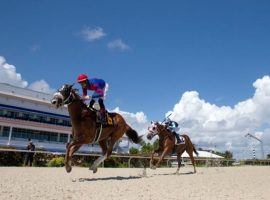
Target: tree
(228,155)
(133,150)
(147,148)
(156,144)
(268,156)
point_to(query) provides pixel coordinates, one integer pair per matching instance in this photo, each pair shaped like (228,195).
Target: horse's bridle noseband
(69,99)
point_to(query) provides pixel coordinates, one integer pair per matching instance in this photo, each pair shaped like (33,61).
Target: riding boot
(102,111)
(91,103)
(177,137)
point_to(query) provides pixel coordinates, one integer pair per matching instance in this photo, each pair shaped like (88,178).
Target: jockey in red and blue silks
(96,85)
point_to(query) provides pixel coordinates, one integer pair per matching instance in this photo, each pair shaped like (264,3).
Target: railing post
(10,135)
(129,160)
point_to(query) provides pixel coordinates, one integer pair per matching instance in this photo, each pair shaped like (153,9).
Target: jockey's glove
(86,97)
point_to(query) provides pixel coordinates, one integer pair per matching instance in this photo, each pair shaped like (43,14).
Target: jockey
(172,126)
(98,86)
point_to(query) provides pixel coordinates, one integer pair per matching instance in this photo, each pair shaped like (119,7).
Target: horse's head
(153,129)
(64,96)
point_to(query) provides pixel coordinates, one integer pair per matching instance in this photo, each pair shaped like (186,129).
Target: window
(34,134)
(31,116)
(25,116)
(10,114)
(63,138)
(1,112)
(4,131)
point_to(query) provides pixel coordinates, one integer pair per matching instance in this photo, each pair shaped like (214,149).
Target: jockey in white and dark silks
(96,85)
(172,126)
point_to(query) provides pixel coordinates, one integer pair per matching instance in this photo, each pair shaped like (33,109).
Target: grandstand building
(27,114)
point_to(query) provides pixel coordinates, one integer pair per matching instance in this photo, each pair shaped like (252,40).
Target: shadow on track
(173,174)
(118,178)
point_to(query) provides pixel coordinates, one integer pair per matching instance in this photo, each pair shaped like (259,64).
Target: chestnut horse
(85,127)
(167,145)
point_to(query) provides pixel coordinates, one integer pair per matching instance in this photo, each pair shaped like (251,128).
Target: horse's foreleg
(164,153)
(179,163)
(67,158)
(153,159)
(71,149)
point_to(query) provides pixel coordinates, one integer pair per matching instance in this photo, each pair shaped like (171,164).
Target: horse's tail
(195,151)
(133,135)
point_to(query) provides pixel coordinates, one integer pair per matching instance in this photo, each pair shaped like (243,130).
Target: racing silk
(96,85)
(172,126)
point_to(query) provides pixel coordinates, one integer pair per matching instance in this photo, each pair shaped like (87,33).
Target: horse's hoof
(153,167)
(68,169)
(94,169)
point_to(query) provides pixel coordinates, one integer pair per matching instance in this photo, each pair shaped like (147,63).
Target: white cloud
(41,86)
(225,126)
(138,121)
(9,75)
(92,34)
(118,44)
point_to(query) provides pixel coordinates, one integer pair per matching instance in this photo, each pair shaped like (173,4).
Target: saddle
(108,121)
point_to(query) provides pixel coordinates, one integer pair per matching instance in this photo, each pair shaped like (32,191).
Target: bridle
(158,129)
(69,99)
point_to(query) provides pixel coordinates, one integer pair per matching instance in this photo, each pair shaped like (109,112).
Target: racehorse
(86,129)
(167,145)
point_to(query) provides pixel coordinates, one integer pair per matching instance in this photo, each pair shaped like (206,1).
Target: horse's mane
(78,97)
(166,131)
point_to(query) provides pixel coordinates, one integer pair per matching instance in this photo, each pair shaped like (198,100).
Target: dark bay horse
(84,127)
(167,145)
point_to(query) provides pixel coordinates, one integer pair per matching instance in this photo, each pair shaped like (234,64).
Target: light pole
(249,136)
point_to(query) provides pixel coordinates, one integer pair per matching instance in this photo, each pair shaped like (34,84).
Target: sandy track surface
(209,183)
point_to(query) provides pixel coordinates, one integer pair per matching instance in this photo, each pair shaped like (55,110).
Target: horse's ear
(70,86)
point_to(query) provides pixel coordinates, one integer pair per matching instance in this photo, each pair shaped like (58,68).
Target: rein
(69,99)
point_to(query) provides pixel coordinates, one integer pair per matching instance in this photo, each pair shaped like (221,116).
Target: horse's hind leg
(190,153)
(181,151)
(103,145)
(106,155)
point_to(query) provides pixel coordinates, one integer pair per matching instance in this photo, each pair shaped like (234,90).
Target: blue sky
(218,48)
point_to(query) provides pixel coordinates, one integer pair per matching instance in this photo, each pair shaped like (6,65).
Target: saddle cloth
(182,140)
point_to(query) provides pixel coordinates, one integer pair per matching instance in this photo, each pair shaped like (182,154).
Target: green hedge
(56,162)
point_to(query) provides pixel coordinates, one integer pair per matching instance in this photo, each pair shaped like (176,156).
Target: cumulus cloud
(92,34)
(118,44)
(9,75)
(138,121)
(41,86)
(224,127)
